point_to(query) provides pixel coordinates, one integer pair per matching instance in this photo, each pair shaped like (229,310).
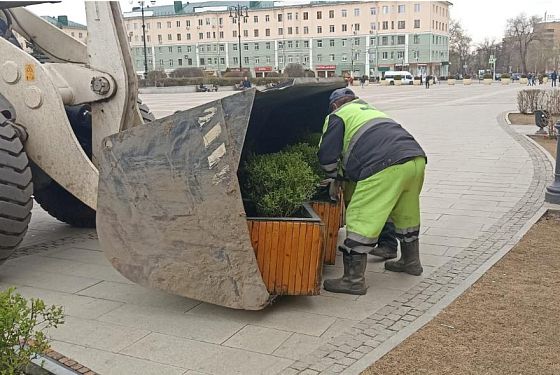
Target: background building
(330,38)
(71,28)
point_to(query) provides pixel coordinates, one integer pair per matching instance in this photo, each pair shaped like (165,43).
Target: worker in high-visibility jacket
(384,167)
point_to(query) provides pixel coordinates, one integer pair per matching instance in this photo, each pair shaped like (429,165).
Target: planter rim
(314,218)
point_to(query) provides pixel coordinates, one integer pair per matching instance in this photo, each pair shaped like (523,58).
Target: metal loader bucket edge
(170,213)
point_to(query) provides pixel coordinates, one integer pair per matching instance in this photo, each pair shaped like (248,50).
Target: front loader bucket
(170,213)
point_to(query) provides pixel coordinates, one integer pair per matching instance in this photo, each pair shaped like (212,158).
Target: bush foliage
(187,73)
(309,153)
(531,100)
(278,183)
(22,326)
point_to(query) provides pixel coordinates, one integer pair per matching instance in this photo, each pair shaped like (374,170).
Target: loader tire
(16,188)
(61,204)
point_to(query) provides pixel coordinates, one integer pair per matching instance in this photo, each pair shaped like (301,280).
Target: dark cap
(340,93)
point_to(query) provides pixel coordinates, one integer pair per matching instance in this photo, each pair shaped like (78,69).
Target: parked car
(406,77)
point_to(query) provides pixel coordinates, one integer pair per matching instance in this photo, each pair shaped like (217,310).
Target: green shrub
(443,78)
(22,326)
(187,73)
(523,75)
(309,153)
(487,76)
(278,183)
(505,75)
(467,76)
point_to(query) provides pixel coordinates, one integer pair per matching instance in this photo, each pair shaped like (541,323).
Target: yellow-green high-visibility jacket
(363,141)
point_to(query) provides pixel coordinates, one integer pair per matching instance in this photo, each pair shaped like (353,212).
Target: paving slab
(483,183)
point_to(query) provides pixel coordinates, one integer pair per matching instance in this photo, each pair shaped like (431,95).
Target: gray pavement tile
(108,363)
(96,334)
(298,346)
(138,295)
(258,339)
(79,255)
(170,322)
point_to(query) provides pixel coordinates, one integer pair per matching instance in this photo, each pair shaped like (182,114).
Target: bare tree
(522,31)
(459,46)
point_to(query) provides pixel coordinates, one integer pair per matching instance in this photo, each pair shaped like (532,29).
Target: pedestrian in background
(553,77)
(427,80)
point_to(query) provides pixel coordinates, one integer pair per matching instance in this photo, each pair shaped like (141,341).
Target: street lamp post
(142,6)
(238,13)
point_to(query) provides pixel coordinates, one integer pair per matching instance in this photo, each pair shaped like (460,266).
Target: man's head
(340,97)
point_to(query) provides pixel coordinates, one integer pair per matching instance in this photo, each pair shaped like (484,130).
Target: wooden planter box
(289,252)
(451,82)
(467,81)
(417,82)
(523,81)
(487,81)
(384,82)
(332,215)
(505,81)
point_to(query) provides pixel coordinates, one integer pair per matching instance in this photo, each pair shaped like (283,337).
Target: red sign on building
(263,69)
(325,67)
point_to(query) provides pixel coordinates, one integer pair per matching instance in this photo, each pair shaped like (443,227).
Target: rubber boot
(410,259)
(353,281)
(384,251)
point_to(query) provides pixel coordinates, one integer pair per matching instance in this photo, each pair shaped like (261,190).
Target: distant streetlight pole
(238,13)
(142,6)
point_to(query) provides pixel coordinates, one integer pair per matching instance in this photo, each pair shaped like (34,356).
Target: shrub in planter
(22,326)
(505,75)
(309,154)
(187,73)
(278,184)
(487,76)
(467,76)
(443,78)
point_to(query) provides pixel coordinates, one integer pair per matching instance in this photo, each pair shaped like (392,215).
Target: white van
(406,77)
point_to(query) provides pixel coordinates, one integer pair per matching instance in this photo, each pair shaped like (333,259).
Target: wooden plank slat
(260,244)
(273,256)
(316,265)
(300,256)
(267,249)
(308,251)
(287,258)
(282,227)
(294,258)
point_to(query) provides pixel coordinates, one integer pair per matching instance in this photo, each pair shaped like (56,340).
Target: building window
(256,46)
(180,62)
(280,17)
(222,48)
(161,62)
(168,24)
(344,58)
(384,40)
(170,62)
(400,55)
(331,28)
(344,27)
(306,30)
(257,60)
(305,15)
(289,16)
(246,46)
(221,35)
(392,25)
(200,36)
(385,9)
(372,26)
(357,42)
(384,55)
(80,35)
(416,24)
(188,36)
(297,29)
(416,8)
(331,57)
(159,38)
(187,23)
(189,49)
(159,25)
(178,23)
(200,21)
(344,13)
(400,39)
(256,33)
(319,43)
(256,19)
(290,30)
(222,60)
(201,49)
(416,39)
(357,12)
(356,27)
(306,44)
(281,59)
(280,31)
(373,11)
(235,60)
(207,21)
(189,61)
(170,49)
(280,45)
(319,58)
(319,29)
(343,41)
(401,25)
(169,37)
(331,42)
(319,15)
(234,47)
(290,59)
(331,13)
(267,45)
(245,33)
(235,33)
(401,8)
(178,36)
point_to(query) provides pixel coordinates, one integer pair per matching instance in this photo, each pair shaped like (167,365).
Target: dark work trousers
(388,237)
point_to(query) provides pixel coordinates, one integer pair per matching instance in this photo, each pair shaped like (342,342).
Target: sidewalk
(483,183)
